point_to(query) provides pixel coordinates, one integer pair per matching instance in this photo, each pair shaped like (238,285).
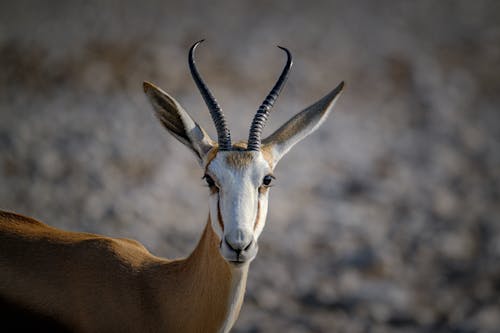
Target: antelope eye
(209,180)
(267,180)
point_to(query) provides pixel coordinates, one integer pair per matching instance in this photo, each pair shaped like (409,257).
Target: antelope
(82,282)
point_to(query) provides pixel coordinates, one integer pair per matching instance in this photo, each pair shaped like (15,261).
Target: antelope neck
(209,290)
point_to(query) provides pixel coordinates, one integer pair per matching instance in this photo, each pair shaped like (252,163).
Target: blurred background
(384,220)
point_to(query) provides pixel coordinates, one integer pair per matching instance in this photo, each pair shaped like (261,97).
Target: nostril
(239,246)
(228,243)
(248,246)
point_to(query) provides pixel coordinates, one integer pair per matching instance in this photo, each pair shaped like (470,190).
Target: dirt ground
(387,219)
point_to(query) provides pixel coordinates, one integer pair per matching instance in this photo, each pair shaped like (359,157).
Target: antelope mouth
(237,260)
(238,263)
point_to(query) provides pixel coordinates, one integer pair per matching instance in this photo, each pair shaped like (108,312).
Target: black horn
(223,134)
(259,121)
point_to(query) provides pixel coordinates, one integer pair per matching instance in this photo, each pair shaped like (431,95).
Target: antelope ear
(300,126)
(178,122)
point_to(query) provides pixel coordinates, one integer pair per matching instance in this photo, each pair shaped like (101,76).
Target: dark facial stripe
(219,215)
(258,214)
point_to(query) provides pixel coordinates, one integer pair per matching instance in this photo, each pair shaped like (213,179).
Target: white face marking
(238,209)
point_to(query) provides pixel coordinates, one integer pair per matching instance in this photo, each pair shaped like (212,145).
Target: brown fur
(239,159)
(92,283)
(210,156)
(256,223)
(240,145)
(268,155)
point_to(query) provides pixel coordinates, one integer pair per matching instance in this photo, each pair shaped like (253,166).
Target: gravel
(384,220)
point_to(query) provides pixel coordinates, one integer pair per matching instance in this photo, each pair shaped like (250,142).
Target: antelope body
(81,282)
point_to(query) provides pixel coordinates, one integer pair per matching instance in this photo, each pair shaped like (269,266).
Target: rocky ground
(385,220)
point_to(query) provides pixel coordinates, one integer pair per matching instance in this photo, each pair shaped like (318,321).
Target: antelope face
(239,184)
(238,175)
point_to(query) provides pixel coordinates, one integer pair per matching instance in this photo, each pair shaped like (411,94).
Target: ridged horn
(223,134)
(259,121)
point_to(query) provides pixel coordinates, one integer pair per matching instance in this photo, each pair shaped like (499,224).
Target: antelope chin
(238,264)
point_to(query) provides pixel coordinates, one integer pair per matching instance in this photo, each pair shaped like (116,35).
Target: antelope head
(238,175)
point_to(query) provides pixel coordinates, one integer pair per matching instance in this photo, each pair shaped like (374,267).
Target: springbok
(81,282)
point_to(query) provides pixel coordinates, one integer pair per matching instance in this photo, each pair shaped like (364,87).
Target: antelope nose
(239,240)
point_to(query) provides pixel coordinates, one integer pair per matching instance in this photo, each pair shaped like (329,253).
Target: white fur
(238,286)
(238,198)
